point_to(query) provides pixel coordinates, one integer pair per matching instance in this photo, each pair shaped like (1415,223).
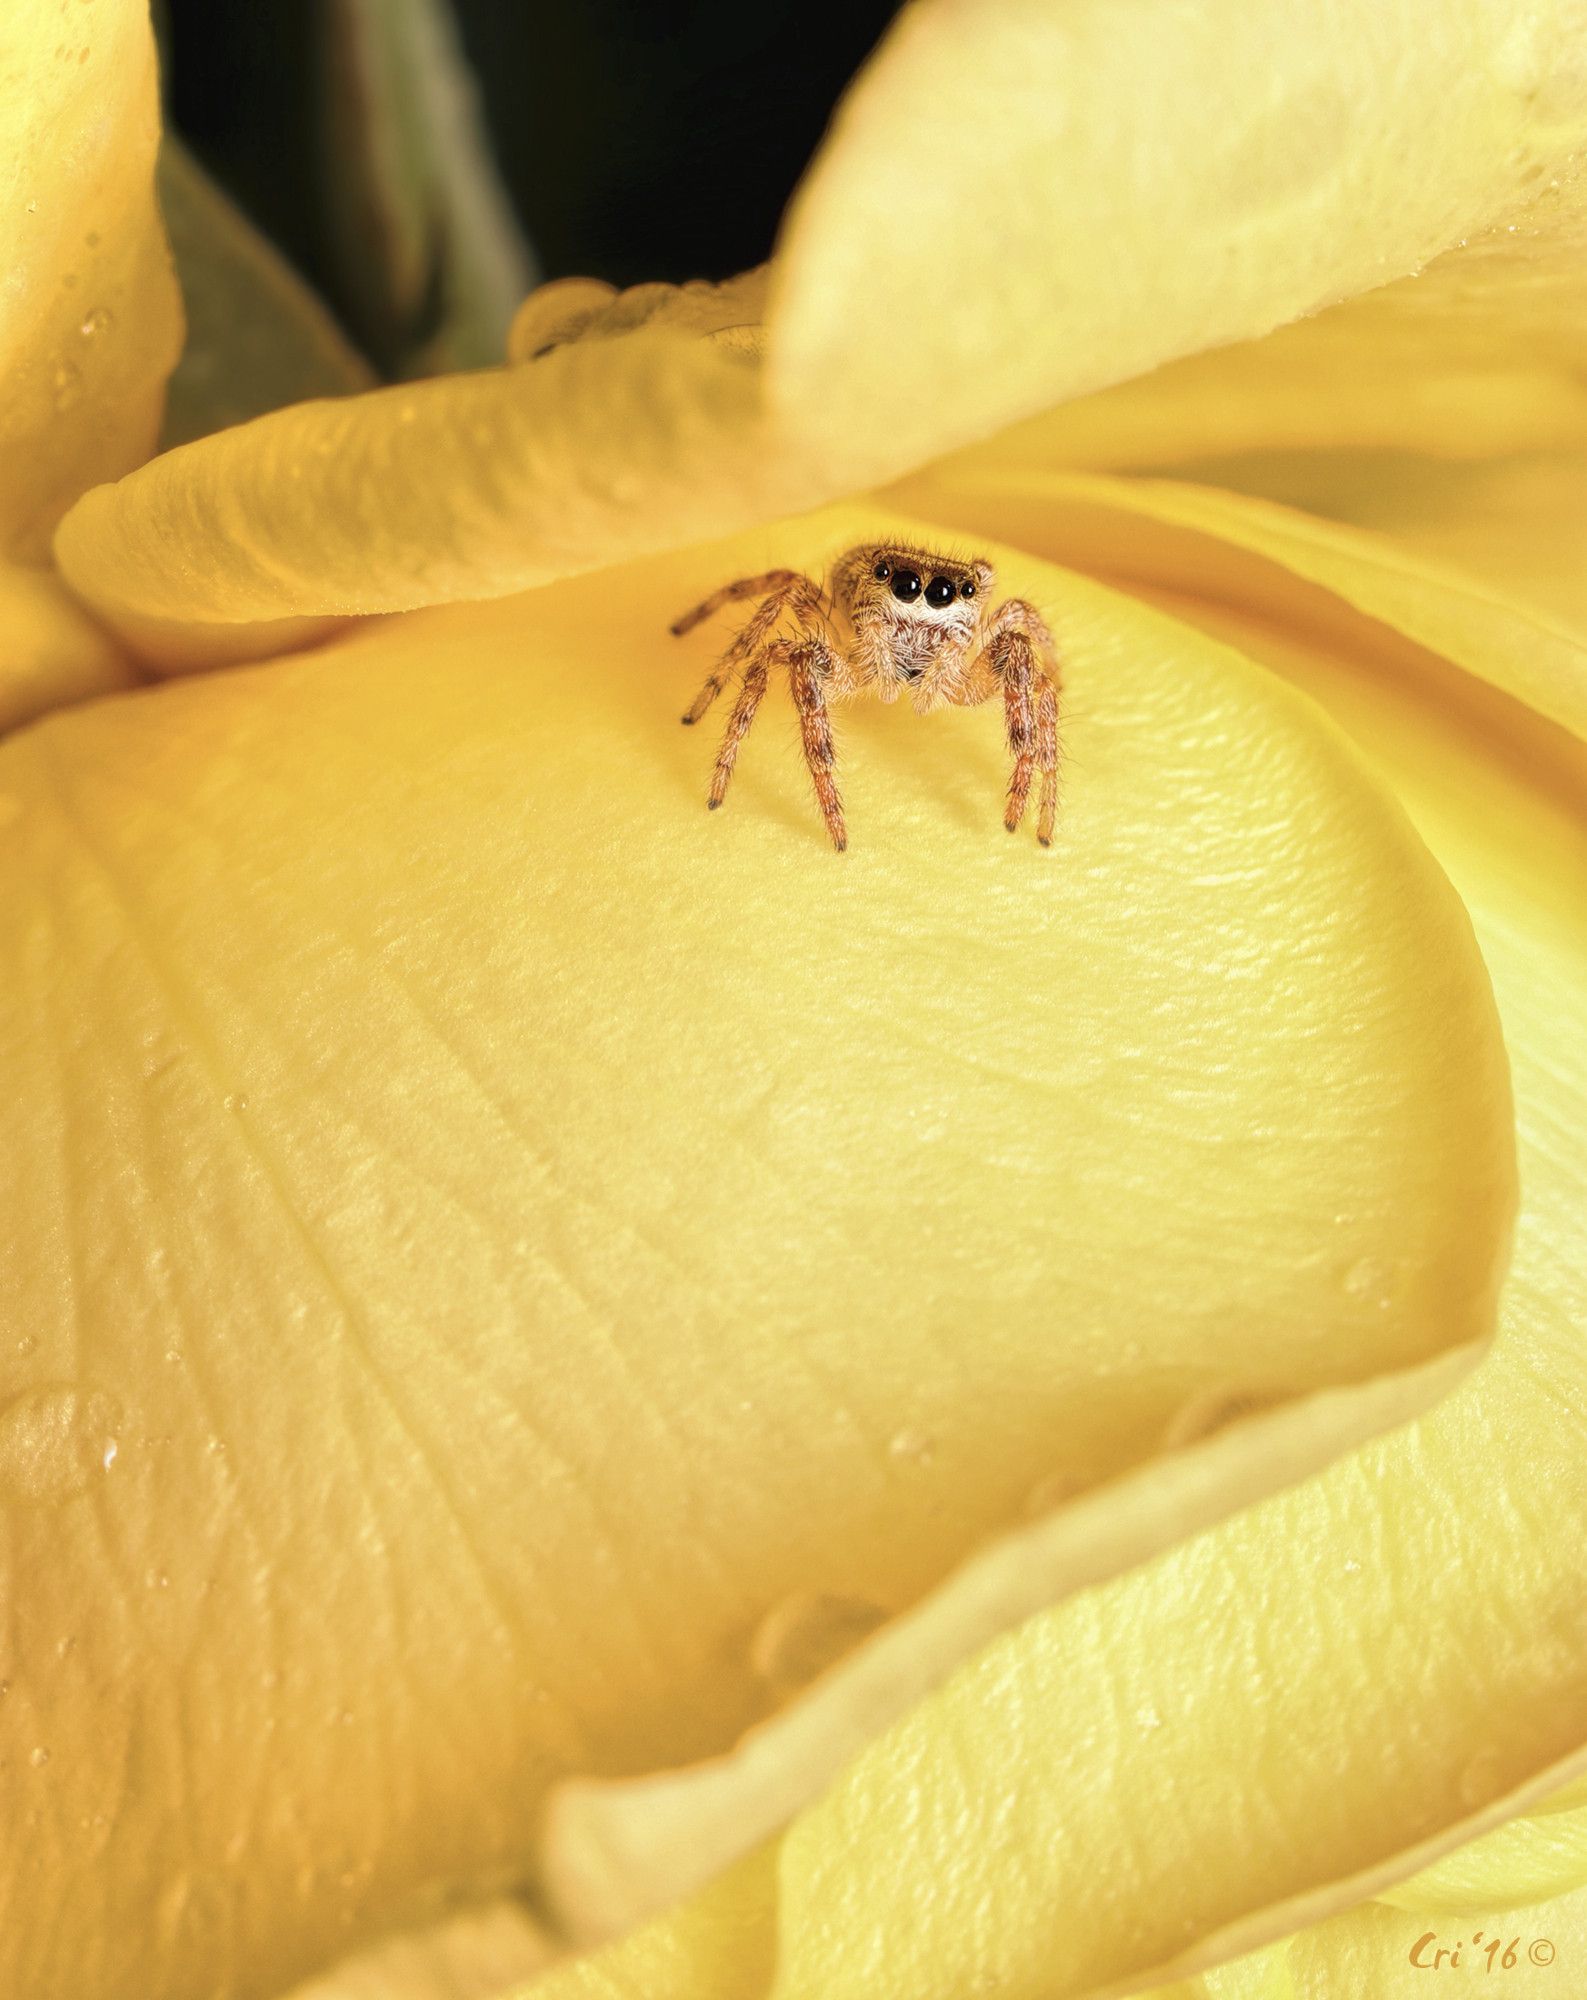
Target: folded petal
(1321,576)
(400,1425)
(1285,1715)
(89,317)
(1097,190)
(1058,198)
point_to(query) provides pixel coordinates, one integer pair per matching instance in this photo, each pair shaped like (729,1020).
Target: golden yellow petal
(1517,525)
(1053,199)
(51,652)
(1315,1700)
(1096,191)
(491,1243)
(471,486)
(1231,548)
(90,323)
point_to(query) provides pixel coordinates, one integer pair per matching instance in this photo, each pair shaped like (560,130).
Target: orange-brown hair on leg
(749,699)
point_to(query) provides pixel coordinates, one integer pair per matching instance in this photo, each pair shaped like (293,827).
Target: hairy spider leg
(811,664)
(782,589)
(749,699)
(731,593)
(1021,652)
(1047,758)
(1015,659)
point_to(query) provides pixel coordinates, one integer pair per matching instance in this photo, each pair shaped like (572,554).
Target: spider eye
(940,592)
(883,571)
(906,585)
(967,590)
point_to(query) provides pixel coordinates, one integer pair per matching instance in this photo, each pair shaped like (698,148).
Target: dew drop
(1352,1565)
(39,1758)
(68,384)
(94,321)
(53,1441)
(1147,1716)
(918,1447)
(802,1636)
(236,1100)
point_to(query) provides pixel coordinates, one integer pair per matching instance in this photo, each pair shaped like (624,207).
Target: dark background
(637,139)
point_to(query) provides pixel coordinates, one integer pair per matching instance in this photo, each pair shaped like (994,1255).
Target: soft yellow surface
(1395,1659)
(51,652)
(1103,186)
(1100,188)
(427,1123)
(89,318)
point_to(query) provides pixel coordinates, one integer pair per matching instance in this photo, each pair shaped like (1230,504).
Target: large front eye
(940,592)
(906,585)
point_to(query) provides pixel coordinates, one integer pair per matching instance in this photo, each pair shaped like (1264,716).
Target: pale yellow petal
(1322,577)
(493,1245)
(1315,1700)
(1533,1953)
(1052,199)
(89,318)
(1098,189)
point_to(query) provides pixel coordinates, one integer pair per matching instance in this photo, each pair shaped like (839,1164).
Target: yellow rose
(586,1375)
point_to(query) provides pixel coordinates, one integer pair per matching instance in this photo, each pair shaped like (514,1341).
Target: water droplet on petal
(917,1446)
(52,1441)
(800,1638)
(39,1758)
(1147,1716)
(68,384)
(95,320)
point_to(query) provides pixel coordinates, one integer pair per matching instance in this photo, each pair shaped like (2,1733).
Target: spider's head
(924,608)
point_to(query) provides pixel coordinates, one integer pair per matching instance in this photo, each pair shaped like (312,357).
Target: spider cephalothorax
(890,617)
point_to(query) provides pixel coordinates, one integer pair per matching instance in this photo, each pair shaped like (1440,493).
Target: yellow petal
(526,1237)
(51,652)
(1531,1860)
(1393,1955)
(1230,548)
(1095,191)
(1052,199)
(1290,1713)
(90,323)
(1517,525)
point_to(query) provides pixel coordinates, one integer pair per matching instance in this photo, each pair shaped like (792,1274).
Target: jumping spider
(890,617)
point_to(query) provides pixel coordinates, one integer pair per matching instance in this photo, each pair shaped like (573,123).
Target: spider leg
(749,699)
(1047,758)
(731,593)
(781,590)
(1019,712)
(810,666)
(1019,653)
